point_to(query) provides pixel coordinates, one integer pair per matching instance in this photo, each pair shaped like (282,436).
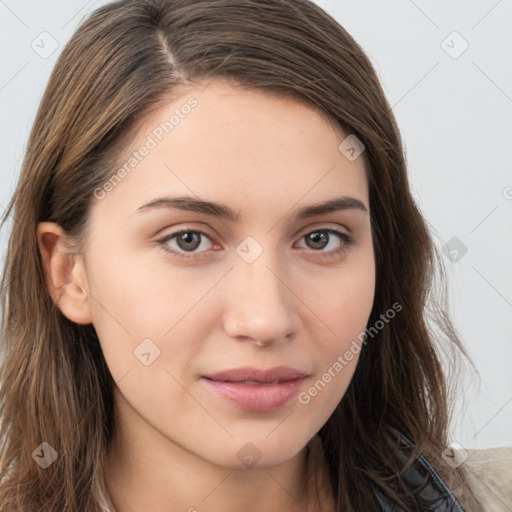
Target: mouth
(255,383)
(256,390)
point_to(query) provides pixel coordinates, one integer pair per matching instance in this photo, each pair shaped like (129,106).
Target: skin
(176,442)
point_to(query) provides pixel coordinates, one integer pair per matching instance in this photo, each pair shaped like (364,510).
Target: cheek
(130,291)
(343,304)
(344,308)
(133,302)
(346,312)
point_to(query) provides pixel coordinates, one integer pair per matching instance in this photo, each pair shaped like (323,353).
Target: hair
(126,60)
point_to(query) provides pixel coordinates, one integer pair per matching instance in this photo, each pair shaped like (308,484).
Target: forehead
(242,146)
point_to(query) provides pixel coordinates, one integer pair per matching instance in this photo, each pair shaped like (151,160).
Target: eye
(321,238)
(187,241)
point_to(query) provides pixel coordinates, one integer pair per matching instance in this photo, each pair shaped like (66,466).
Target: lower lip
(256,398)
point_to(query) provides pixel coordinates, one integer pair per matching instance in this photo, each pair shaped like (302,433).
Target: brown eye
(319,239)
(322,238)
(186,241)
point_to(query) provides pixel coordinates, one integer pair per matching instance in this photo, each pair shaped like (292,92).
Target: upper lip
(276,374)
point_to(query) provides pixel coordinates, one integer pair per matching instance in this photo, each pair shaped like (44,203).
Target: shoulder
(489,474)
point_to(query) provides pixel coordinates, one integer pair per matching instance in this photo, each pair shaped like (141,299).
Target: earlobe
(64,273)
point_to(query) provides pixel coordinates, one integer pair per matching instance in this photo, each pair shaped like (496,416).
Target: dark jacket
(435,492)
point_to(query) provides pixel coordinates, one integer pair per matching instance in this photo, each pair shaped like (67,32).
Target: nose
(261,307)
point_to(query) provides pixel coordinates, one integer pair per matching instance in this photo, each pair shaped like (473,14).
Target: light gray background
(455,114)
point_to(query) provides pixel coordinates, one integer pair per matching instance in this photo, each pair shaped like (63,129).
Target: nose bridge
(260,306)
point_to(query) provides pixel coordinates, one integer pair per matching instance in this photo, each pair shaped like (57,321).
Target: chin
(260,451)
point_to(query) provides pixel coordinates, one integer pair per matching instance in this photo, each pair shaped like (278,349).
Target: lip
(257,390)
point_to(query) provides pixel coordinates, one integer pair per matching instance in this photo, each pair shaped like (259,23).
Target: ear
(64,273)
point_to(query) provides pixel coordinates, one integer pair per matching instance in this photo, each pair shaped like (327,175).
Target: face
(231,337)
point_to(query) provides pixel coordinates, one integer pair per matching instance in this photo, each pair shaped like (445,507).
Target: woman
(216,292)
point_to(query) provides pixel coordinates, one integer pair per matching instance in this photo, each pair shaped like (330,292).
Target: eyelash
(346,241)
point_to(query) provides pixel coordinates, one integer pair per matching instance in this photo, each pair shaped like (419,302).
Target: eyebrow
(191,204)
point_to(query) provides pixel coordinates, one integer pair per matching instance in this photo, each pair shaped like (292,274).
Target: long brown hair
(122,63)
